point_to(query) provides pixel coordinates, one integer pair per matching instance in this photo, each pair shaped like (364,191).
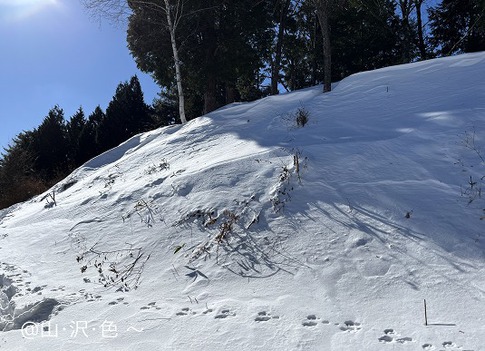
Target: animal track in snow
(447,346)
(264,316)
(450,345)
(118,301)
(185,312)
(310,321)
(391,336)
(90,297)
(351,326)
(224,314)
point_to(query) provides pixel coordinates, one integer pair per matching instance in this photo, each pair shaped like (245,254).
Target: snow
(242,231)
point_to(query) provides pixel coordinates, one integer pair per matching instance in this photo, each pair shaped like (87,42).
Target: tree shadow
(387,232)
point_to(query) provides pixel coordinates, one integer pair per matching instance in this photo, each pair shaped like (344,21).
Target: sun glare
(15,10)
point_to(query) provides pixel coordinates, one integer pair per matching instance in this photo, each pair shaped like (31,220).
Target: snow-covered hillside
(242,231)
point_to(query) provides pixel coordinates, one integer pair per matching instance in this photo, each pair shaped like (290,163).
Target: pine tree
(126,115)
(74,128)
(366,36)
(88,142)
(223,49)
(18,179)
(50,146)
(458,26)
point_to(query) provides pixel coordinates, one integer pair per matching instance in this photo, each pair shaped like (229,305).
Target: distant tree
(18,179)
(126,115)
(89,145)
(74,129)
(50,146)
(458,26)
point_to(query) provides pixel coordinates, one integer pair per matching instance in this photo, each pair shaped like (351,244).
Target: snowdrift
(243,231)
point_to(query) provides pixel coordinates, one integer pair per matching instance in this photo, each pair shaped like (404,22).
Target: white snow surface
(225,242)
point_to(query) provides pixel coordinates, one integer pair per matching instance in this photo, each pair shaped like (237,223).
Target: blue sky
(52,52)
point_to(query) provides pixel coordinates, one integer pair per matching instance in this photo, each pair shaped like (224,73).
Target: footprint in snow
(185,312)
(391,336)
(428,347)
(351,326)
(151,306)
(311,321)
(264,316)
(224,314)
(92,298)
(450,345)
(208,310)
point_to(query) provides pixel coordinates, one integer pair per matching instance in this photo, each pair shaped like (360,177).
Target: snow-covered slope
(242,231)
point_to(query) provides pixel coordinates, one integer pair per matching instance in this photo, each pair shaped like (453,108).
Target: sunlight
(16,10)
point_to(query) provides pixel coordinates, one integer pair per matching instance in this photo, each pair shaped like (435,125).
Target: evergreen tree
(88,141)
(126,115)
(222,49)
(74,128)
(458,26)
(18,179)
(302,60)
(50,146)
(365,36)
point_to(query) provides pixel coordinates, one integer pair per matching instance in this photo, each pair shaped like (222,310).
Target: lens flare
(16,10)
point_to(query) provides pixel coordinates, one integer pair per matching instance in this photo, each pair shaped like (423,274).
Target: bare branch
(115,11)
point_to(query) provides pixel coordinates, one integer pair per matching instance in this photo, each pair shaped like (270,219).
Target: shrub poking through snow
(281,191)
(226,227)
(119,268)
(154,168)
(221,224)
(296,119)
(301,117)
(145,211)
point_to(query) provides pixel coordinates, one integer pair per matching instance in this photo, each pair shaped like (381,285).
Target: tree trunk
(178,71)
(405,6)
(323,18)
(421,45)
(230,93)
(313,39)
(275,69)
(210,100)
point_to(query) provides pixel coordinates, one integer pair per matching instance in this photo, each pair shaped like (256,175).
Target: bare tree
(118,10)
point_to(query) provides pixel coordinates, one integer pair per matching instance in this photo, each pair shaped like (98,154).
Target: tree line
(37,159)
(207,53)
